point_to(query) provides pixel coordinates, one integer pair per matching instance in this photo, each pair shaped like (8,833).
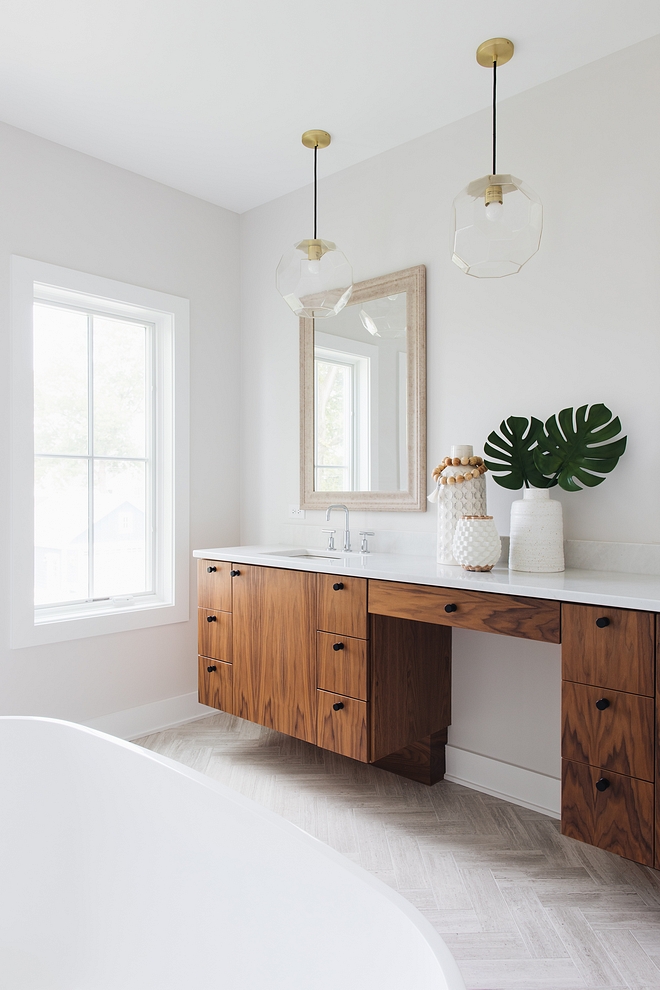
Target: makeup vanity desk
(353,654)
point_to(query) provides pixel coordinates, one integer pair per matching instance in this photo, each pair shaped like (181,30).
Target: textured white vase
(456,501)
(537,533)
(477,546)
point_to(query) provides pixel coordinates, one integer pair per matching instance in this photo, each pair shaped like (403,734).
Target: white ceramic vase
(476,546)
(456,501)
(537,533)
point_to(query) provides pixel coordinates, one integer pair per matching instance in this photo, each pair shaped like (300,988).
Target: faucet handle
(331,538)
(364,545)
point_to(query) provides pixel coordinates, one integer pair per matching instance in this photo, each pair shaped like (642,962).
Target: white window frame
(169,315)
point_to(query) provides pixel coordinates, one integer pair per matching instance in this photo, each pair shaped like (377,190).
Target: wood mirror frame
(412,281)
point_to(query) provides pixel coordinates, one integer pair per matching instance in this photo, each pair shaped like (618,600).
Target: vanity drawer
(214,684)
(530,618)
(617,654)
(343,729)
(618,737)
(342,605)
(214,584)
(619,819)
(214,634)
(341,665)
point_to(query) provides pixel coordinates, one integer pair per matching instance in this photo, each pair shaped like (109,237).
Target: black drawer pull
(602,784)
(602,622)
(211,618)
(602,704)
(211,569)
(337,646)
(451,608)
(234,573)
(338,705)
(338,586)
(211,669)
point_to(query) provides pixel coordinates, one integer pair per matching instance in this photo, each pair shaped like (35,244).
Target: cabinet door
(214,634)
(274,653)
(608,647)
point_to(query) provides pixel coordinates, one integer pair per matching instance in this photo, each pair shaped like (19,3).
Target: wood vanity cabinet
(608,729)
(362,667)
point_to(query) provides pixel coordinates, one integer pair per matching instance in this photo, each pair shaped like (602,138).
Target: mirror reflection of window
(360,390)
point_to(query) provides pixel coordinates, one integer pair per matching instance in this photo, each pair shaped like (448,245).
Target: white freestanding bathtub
(122,870)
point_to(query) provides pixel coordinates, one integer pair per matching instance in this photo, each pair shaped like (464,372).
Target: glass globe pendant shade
(315,279)
(497,226)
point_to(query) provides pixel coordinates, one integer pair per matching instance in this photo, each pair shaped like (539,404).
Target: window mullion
(90,457)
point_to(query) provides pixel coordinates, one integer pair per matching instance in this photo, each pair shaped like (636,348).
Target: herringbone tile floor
(519,905)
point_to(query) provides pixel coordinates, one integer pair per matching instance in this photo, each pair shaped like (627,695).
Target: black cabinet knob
(450,608)
(338,705)
(337,646)
(211,569)
(211,669)
(602,704)
(211,618)
(338,586)
(234,573)
(602,784)
(602,622)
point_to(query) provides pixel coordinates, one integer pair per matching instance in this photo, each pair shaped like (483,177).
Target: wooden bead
(479,460)
(456,461)
(447,461)
(468,475)
(459,478)
(443,481)
(451,481)
(465,460)
(473,461)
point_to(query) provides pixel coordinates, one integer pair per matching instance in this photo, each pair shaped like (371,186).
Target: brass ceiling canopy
(319,139)
(498,50)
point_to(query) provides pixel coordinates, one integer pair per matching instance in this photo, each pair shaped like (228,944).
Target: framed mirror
(363,398)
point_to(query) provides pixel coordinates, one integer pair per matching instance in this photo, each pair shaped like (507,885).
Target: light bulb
(310,267)
(494,210)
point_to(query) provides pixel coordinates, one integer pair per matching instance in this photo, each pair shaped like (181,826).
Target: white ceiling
(211,97)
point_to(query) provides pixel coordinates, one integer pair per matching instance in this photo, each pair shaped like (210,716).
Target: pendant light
(314,278)
(497,219)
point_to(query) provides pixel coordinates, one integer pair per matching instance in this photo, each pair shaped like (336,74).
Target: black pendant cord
(494,117)
(316,148)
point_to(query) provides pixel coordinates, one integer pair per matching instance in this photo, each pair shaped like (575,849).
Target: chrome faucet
(347,532)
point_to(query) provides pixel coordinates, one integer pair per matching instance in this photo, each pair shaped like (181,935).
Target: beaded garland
(475,463)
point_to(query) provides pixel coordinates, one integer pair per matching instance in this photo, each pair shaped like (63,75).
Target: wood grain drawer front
(214,684)
(343,605)
(341,665)
(214,584)
(530,618)
(619,819)
(342,725)
(617,737)
(214,634)
(608,647)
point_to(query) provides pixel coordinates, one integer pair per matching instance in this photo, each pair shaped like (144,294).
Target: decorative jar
(477,545)
(537,533)
(455,500)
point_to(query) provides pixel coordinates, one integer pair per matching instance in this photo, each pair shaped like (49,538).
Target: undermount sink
(326,554)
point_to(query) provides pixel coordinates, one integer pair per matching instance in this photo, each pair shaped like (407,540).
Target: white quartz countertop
(619,590)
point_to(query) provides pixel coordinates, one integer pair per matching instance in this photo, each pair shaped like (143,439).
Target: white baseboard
(140,721)
(524,787)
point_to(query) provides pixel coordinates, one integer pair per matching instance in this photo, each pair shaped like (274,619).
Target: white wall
(578,324)
(68,209)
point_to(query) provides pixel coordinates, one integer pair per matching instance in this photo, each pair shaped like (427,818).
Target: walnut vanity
(355,656)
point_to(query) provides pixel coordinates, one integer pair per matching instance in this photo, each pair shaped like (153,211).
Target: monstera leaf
(573,447)
(514,451)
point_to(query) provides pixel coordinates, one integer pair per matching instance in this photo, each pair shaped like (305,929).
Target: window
(99,483)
